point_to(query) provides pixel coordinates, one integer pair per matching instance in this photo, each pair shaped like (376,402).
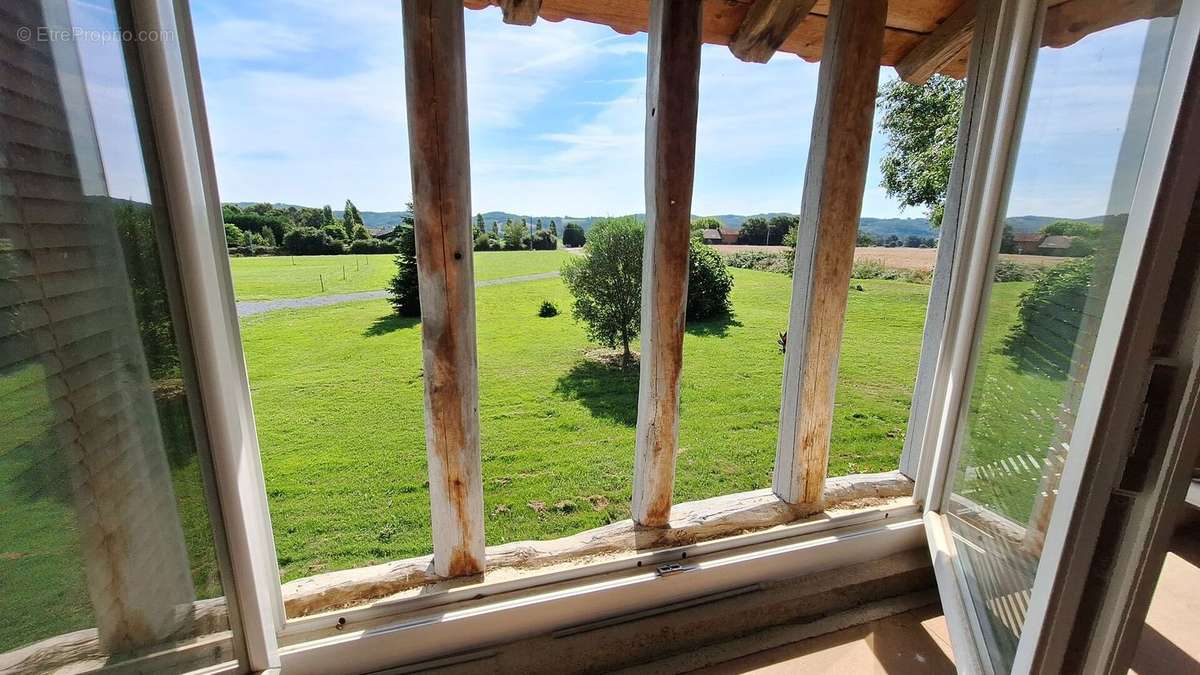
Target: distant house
(711,236)
(1027,243)
(1055,244)
(729,236)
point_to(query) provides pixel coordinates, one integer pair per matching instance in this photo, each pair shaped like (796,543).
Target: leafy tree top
(921,125)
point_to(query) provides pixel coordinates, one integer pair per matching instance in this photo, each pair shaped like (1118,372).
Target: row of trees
(520,235)
(301,230)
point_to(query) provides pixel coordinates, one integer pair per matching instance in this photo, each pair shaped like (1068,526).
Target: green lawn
(338,399)
(270,278)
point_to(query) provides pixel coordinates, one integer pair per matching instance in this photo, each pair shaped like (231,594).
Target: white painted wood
(672,99)
(834,182)
(436,91)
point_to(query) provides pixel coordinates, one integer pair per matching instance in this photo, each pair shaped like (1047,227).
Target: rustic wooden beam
(766,25)
(672,99)
(436,78)
(941,46)
(1071,21)
(520,12)
(833,189)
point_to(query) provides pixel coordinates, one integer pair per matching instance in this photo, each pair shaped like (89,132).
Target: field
(270,278)
(338,399)
(901,258)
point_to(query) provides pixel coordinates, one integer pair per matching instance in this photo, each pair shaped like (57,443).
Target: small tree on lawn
(402,290)
(573,235)
(607,283)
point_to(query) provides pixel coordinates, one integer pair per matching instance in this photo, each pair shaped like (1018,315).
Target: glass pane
(1079,152)
(105,533)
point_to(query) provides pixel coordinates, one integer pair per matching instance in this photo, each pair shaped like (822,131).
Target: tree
(479,224)
(360,232)
(553,228)
(606,282)
(350,218)
(516,236)
(1008,242)
(233,236)
(403,290)
(327,216)
(865,239)
(709,282)
(705,223)
(754,231)
(311,241)
(893,241)
(537,224)
(780,226)
(573,235)
(544,241)
(1073,228)
(496,228)
(921,125)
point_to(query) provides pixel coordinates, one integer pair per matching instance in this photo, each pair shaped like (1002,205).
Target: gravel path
(252,307)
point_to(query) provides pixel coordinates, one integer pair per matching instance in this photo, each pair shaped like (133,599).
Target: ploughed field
(921,259)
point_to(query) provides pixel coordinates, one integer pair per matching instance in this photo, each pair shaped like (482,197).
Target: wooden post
(672,98)
(436,78)
(520,12)
(833,191)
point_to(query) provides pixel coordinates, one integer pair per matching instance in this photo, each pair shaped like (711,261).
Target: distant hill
(879,228)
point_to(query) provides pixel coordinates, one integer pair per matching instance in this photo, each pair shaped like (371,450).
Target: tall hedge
(1048,317)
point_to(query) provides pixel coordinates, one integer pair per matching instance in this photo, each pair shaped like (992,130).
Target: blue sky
(306,105)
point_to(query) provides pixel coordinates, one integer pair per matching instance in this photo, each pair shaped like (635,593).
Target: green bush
(403,291)
(548,309)
(372,245)
(544,241)
(311,241)
(573,235)
(487,241)
(233,236)
(709,283)
(763,261)
(1006,270)
(1048,317)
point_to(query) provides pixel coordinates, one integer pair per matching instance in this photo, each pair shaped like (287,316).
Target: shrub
(516,236)
(709,282)
(544,241)
(1048,316)
(233,236)
(311,241)
(763,261)
(606,283)
(573,235)
(365,246)
(487,241)
(1006,270)
(875,269)
(403,291)
(548,309)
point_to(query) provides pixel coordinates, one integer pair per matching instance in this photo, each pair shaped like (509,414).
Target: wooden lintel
(940,47)
(672,100)
(520,12)
(766,25)
(436,77)
(832,202)
(1071,21)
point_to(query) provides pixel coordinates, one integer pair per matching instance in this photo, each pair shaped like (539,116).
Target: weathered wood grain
(672,100)
(765,27)
(690,522)
(832,201)
(1069,22)
(941,47)
(435,74)
(520,12)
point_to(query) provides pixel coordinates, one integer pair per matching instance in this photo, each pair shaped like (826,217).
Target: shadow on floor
(715,327)
(607,392)
(390,322)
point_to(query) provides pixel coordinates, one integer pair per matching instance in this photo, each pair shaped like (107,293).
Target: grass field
(338,399)
(274,277)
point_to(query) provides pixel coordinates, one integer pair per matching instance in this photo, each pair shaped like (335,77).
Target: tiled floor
(917,642)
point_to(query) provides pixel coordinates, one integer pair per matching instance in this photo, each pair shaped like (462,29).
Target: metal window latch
(668,569)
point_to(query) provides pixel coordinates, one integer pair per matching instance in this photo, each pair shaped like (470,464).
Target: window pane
(1079,152)
(104,524)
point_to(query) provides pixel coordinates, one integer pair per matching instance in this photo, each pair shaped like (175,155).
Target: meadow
(275,277)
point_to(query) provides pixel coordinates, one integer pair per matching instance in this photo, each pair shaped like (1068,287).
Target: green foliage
(251,221)
(709,283)
(479,228)
(1008,243)
(913,241)
(516,236)
(487,241)
(573,235)
(547,309)
(705,223)
(1006,270)
(327,216)
(863,239)
(360,232)
(606,282)
(759,231)
(233,236)
(554,228)
(1073,228)
(403,291)
(1049,313)
(369,246)
(874,269)
(921,125)
(763,261)
(135,227)
(350,218)
(336,233)
(311,241)
(544,241)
